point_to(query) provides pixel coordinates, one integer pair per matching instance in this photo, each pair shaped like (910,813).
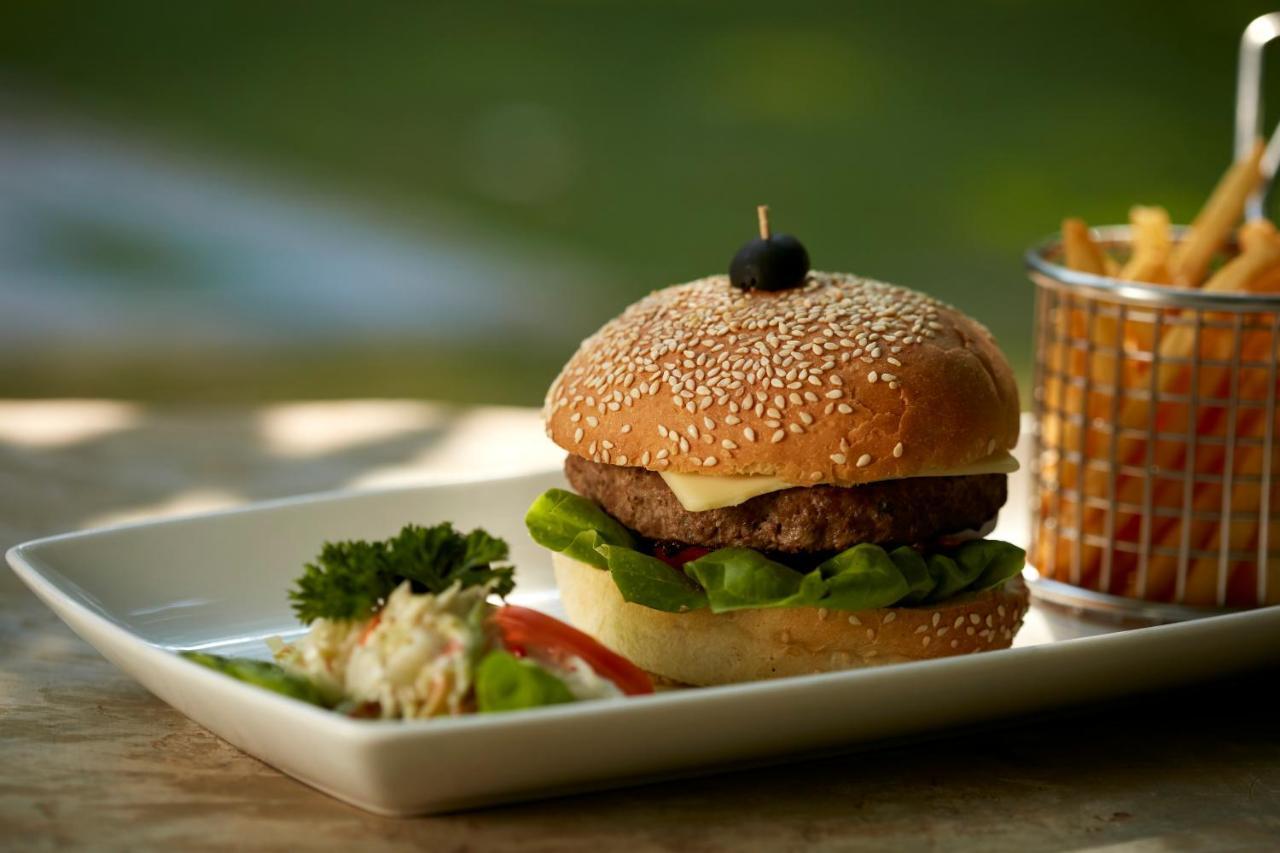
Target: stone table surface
(89,759)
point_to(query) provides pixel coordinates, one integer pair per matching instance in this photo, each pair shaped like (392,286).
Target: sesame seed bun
(702,649)
(843,380)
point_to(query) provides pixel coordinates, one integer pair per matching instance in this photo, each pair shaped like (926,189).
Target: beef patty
(803,519)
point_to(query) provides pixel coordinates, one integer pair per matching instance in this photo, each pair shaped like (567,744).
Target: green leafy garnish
(350,580)
(916,572)
(564,522)
(504,682)
(859,578)
(649,581)
(267,675)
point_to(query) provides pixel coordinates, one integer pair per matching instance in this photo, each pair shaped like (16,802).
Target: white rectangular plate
(219,582)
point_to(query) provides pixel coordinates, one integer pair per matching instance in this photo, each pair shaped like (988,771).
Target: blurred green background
(242,201)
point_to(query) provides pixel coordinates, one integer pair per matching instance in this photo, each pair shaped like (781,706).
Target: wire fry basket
(1155,423)
(1155,411)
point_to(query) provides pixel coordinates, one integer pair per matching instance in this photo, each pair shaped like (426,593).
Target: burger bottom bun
(702,648)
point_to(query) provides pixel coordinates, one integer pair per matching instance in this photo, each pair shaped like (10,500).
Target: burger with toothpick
(781,472)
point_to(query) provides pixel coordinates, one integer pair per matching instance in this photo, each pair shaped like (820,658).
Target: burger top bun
(842,380)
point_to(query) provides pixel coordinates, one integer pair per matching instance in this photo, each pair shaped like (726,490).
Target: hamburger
(781,472)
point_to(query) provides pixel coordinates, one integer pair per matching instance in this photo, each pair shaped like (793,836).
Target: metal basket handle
(1260,32)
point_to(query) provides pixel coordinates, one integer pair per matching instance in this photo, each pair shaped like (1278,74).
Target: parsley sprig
(350,580)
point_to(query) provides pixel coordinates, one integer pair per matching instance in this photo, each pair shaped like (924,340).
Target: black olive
(777,262)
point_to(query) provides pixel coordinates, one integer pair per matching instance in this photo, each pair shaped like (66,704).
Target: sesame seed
(626,428)
(844,408)
(644,458)
(897,450)
(728,444)
(749,434)
(577,435)
(778,435)
(708,423)
(889,617)
(838,458)
(854,620)
(709,461)
(593,421)
(872,377)
(835,394)
(864,460)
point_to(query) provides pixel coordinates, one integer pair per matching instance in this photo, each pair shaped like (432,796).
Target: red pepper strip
(684,555)
(524,630)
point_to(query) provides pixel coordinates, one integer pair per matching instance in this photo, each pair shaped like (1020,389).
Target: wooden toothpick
(762,213)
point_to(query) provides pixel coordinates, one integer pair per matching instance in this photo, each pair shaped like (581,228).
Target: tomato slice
(526,631)
(679,557)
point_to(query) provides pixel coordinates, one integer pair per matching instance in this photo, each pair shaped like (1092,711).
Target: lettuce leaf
(561,521)
(647,580)
(267,675)
(916,571)
(504,682)
(857,579)
(740,579)
(862,577)
(1000,561)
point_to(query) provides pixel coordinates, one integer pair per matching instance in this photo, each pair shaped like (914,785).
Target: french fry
(1251,271)
(1255,231)
(1152,242)
(1212,226)
(1080,411)
(1082,253)
(1201,579)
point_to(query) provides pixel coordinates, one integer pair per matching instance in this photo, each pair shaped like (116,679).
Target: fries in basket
(1157,423)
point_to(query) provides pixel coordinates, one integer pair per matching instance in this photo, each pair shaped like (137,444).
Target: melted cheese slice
(701,492)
